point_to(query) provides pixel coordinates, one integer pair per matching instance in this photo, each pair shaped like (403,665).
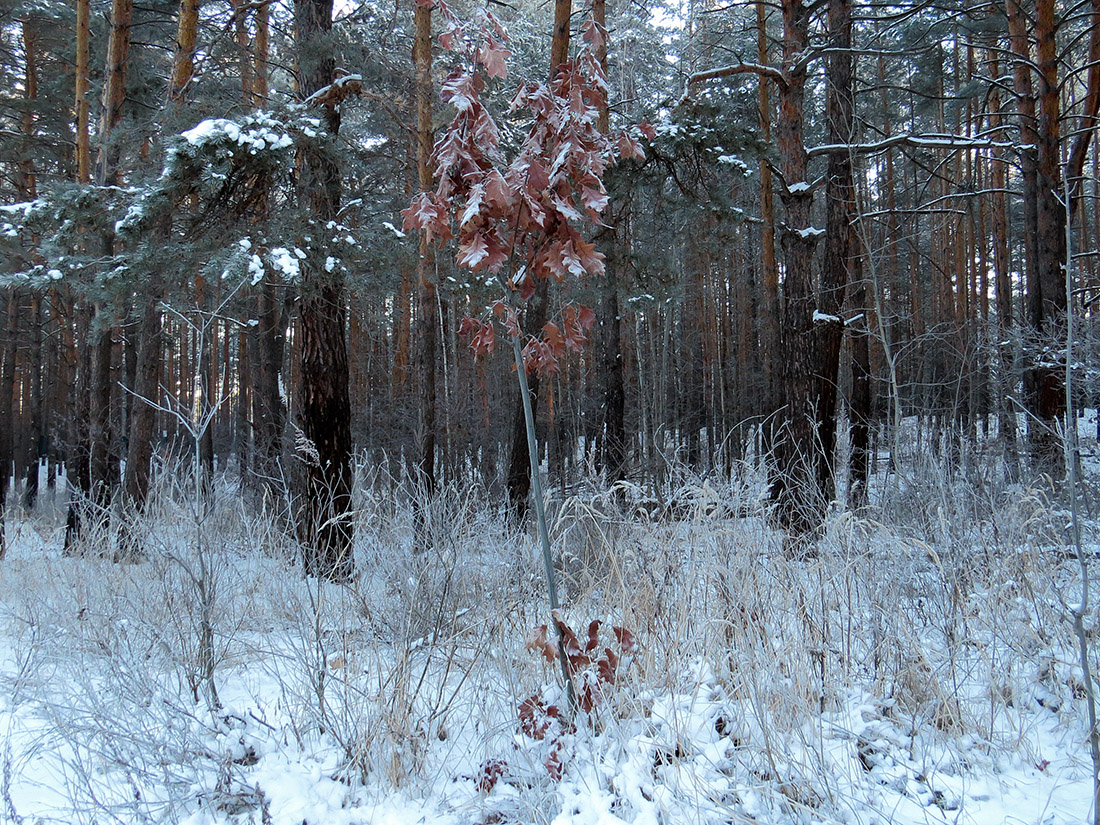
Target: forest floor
(915,665)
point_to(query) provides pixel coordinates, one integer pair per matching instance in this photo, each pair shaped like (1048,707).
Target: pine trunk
(143,418)
(183,62)
(7,393)
(323,407)
(83,138)
(839,212)
(427,302)
(798,502)
(534,318)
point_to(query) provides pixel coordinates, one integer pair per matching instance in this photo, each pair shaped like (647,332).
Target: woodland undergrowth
(931,618)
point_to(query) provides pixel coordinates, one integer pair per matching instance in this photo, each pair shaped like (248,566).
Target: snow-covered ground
(918,666)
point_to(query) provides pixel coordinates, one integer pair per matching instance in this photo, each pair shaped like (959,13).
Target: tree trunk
(323,407)
(769,315)
(799,505)
(144,414)
(114,91)
(1050,397)
(839,211)
(100,434)
(7,393)
(534,318)
(205,377)
(1086,123)
(427,302)
(613,445)
(183,61)
(859,407)
(1002,284)
(83,139)
(268,409)
(36,439)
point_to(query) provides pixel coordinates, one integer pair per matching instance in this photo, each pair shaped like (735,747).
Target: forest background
(838,209)
(805,294)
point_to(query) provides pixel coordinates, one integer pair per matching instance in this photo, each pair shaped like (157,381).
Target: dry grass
(944,610)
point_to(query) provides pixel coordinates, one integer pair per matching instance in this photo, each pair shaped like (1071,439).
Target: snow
(255,269)
(394,229)
(809,232)
(286,261)
(800,186)
(825,318)
(256,133)
(735,162)
(758,692)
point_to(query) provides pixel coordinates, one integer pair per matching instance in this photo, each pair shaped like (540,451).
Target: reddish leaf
(537,176)
(539,643)
(527,288)
(625,638)
(493,56)
(554,761)
(590,260)
(647,130)
(574,330)
(507,316)
(594,35)
(587,697)
(593,628)
(473,204)
(489,774)
(593,199)
(607,667)
(565,209)
(497,27)
(472,252)
(553,338)
(534,720)
(461,90)
(585,317)
(498,194)
(484,341)
(425,215)
(538,358)
(629,148)
(570,260)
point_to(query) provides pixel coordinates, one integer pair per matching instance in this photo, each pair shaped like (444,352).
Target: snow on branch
(336,92)
(918,141)
(769,72)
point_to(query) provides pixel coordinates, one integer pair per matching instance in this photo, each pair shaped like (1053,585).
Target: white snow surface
(718,717)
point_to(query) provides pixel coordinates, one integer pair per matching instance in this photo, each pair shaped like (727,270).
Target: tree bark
(324,409)
(7,387)
(1048,307)
(114,91)
(839,212)
(143,416)
(799,504)
(36,440)
(427,301)
(613,446)
(1002,285)
(100,431)
(769,315)
(268,409)
(83,139)
(183,61)
(534,318)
